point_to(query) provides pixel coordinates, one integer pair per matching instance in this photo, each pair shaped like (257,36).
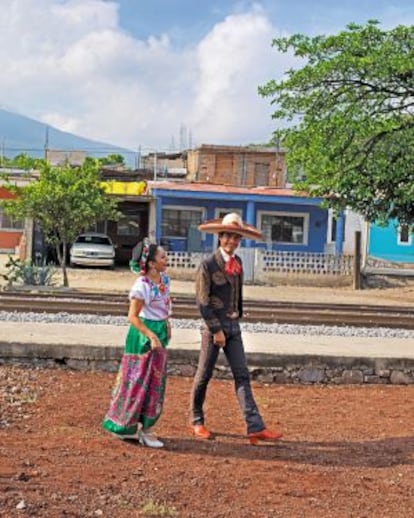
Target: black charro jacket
(218,294)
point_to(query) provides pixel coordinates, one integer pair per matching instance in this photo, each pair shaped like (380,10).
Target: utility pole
(243,180)
(279,166)
(155,166)
(357,261)
(183,138)
(46,141)
(138,158)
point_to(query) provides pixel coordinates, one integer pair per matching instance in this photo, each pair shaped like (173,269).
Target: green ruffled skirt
(139,390)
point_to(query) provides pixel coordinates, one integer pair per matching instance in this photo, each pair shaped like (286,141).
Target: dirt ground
(346,452)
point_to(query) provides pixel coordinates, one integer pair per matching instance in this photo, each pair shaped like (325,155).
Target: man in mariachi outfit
(219,284)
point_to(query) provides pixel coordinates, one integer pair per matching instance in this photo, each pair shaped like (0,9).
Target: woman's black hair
(151,254)
(138,250)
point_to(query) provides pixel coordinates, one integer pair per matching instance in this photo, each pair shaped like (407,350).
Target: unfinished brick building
(246,166)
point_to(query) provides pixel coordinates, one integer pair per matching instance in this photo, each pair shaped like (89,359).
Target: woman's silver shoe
(131,437)
(148,439)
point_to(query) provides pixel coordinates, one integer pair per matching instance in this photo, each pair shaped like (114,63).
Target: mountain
(20,134)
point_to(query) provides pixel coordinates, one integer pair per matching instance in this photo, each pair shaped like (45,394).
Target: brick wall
(238,166)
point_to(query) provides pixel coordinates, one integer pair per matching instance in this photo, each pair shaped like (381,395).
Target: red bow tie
(233,267)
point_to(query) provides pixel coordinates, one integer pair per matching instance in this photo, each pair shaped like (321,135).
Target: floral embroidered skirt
(139,389)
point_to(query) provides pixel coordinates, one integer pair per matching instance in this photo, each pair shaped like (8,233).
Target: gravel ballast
(286,329)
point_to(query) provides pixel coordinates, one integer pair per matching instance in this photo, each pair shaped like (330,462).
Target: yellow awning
(125,188)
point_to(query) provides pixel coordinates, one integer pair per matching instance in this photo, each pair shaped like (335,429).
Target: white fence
(264,266)
(302,262)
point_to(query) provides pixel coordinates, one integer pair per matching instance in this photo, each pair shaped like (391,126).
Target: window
(333,230)
(281,227)
(404,235)
(95,240)
(8,223)
(176,222)
(261,174)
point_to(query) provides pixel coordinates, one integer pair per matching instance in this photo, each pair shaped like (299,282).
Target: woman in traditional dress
(138,395)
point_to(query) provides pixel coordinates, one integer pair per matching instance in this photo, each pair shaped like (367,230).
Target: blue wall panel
(383,244)
(249,205)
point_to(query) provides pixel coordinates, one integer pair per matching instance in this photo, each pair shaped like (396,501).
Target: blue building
(288,221)
(393,243)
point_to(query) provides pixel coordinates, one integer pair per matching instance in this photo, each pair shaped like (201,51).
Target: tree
(24,161)
(65,200)
(350,110)
(114,159)
(21,161)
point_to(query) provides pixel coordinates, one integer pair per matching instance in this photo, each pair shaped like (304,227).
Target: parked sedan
(92,249)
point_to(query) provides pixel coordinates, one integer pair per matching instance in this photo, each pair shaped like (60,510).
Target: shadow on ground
(370,454)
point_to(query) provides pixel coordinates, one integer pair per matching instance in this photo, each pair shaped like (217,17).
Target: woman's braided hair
(142,253)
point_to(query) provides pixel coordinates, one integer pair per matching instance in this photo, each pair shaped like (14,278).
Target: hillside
(20,134)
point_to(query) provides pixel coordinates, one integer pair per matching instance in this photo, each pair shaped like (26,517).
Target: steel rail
(117,297)
(254,311)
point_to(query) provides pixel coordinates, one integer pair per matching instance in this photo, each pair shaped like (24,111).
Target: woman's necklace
(158,283)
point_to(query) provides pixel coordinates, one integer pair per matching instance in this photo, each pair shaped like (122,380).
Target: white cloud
(69,63)
(234,59)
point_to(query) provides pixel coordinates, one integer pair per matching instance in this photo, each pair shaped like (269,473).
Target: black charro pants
(236,358)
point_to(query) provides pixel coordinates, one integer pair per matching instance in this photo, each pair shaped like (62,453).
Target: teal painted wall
(383,243)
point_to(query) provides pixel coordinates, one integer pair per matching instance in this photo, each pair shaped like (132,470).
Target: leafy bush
(29,273)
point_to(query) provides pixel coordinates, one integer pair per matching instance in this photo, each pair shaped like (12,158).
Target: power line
(108,150)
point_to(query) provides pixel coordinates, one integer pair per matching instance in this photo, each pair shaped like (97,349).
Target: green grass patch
(155,509)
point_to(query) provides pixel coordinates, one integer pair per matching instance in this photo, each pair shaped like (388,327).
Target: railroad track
(116,304)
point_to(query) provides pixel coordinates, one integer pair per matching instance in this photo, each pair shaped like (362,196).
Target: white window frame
(304,215)
(10,229)
(183,207)
(331,219)
(404,243)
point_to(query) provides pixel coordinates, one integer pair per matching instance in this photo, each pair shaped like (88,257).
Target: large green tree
(64,201)
(349,110)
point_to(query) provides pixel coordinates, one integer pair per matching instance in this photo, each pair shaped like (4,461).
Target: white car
(92,249)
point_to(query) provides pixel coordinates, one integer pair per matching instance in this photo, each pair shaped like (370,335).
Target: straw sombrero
(230,223)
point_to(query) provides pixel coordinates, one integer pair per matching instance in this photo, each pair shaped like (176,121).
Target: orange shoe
(264,435)
(200,431)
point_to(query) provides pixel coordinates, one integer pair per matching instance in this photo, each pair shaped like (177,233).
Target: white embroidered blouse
(156,297)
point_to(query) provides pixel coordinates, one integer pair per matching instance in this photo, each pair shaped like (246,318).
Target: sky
(161,74)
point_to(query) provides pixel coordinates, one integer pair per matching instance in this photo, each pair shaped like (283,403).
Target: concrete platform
(107,336)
